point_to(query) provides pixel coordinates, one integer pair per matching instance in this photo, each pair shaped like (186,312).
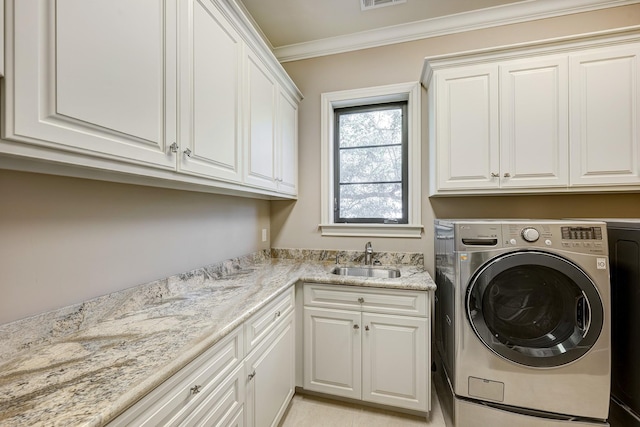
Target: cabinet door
(287,153)
(467,128)
(332,352)
(222,406)
(534,136)
(395,361)
(260,324)
(94,77)
(270,376)
(260,127)
(604,96)
(210,75)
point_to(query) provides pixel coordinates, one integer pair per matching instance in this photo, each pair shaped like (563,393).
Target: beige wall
(296,225)
(66,240)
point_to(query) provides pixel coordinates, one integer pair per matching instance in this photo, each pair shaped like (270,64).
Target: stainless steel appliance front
(522,314)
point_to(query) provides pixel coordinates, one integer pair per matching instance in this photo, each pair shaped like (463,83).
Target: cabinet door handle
(495,175)
(507,175)
(251,375)
(356,326)
(366,328)
(360,300)
(195,389)
(187,152)
(173,148)
(278,313)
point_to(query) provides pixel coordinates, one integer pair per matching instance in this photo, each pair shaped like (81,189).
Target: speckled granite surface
(84,364)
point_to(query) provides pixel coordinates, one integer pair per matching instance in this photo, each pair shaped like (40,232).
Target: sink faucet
(368,254)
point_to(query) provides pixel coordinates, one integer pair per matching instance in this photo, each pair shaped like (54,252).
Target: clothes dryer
(624,253)
(522,315)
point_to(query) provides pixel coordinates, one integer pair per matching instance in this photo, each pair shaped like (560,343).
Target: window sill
(408,231)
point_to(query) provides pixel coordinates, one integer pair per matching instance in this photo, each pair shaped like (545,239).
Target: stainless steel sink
(379,272)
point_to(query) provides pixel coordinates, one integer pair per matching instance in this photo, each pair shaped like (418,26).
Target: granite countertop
(85,364)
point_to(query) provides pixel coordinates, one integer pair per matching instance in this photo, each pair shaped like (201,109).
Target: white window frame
(409,92)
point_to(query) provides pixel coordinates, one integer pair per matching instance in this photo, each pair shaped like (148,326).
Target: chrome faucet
(368,254)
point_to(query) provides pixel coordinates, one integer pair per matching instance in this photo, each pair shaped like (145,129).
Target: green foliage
(371,164)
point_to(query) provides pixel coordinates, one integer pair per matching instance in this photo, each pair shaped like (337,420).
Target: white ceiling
(299,29)
(288,22)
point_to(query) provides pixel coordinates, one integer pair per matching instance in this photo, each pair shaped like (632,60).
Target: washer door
(534,308)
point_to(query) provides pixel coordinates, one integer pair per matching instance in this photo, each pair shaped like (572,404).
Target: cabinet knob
(173,148)
(356,326)
(195,389)
(366,328)
(187,152)
(278,313)
(251,375)
(360,300)
(507,175)
(495,175)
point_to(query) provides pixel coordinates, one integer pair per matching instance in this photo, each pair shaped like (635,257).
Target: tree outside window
(370,159)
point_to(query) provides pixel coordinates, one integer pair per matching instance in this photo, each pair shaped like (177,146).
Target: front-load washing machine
(522,320)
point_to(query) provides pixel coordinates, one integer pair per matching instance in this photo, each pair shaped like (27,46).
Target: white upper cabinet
(466,108)
(605,126)
(502,125)
(555,116)
(270,130)
(77,85)
(210,58)
(287,144)
(155,92)
(534,135)
(260,135)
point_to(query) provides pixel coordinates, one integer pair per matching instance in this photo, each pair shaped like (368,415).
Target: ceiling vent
(373,4)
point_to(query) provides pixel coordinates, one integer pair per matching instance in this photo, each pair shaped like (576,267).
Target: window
(370,161)
(370,164)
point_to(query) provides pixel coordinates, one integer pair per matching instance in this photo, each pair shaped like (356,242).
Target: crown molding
(528,10)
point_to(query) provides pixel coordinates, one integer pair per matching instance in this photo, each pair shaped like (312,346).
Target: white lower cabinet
(270,376)
(223,407)
(222,387)
(371,351)
(332,352)
(394,360)
(217,373)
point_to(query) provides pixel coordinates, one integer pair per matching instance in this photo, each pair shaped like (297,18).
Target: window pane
(371,164)
(371,201)
(371,128)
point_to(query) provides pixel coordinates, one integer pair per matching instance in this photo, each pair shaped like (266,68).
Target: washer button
(513,241)
(547,242)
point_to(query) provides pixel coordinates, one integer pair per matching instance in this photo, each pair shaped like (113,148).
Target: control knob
(530,234)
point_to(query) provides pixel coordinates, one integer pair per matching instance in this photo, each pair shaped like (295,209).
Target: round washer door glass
(535,308)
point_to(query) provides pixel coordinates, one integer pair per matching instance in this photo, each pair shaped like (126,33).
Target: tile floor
(311,411)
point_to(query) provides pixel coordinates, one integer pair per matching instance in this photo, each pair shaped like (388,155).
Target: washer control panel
(585,238)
